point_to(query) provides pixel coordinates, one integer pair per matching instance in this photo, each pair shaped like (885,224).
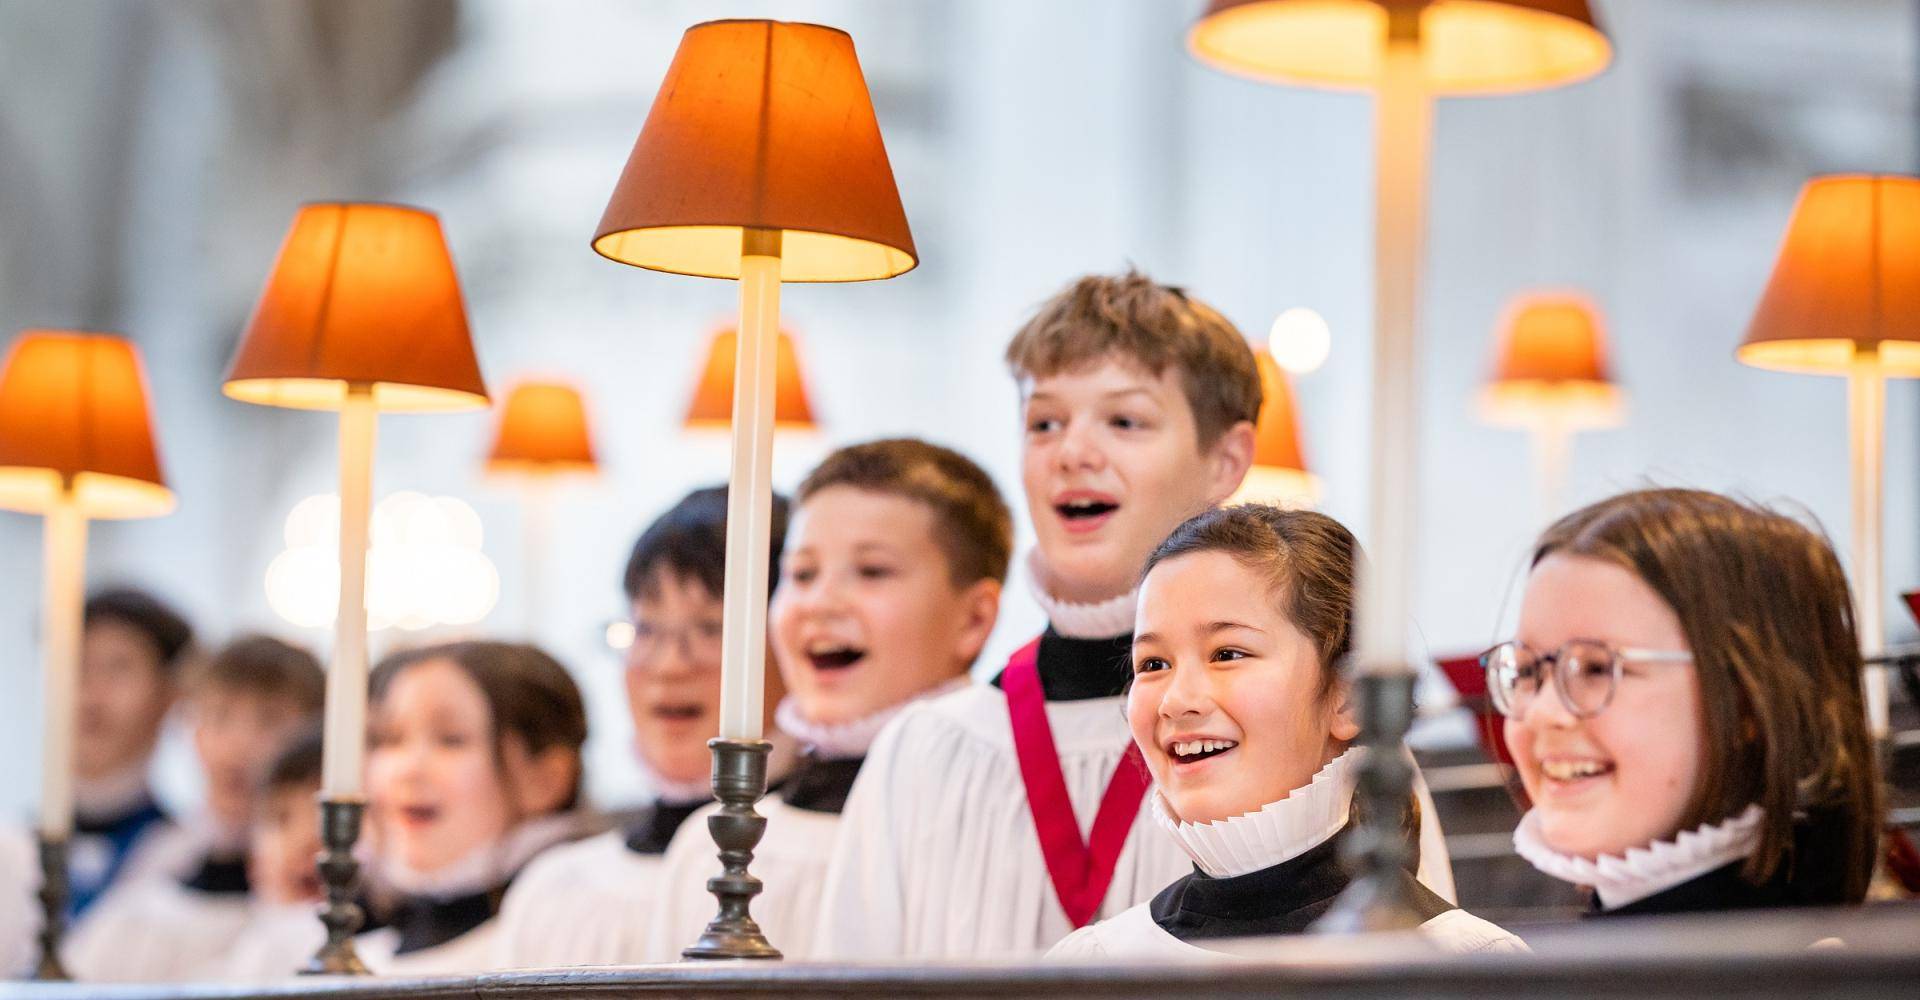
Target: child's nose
(1078,449)
(1187,694)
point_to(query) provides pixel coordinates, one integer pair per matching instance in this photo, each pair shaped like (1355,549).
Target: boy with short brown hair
(963,837)
(889,588)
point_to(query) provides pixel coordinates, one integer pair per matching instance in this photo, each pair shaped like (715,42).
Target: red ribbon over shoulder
(1080,870)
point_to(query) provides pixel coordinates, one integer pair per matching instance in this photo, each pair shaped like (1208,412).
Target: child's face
(236,733)
(673,675)
(125,693)
(435,785)
(1111,466)
(1215,660)
(1623,778)
(867,614)
(286,837)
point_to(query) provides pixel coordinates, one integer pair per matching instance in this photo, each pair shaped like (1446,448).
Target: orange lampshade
(543,431)
(760,125)
(1279,474)
(73,408)
(713,397)
(1469,46)
(1276,440)
(1552,365)
(1847,281)
(361,293)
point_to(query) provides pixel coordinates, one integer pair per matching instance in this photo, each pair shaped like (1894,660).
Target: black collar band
(1082,669)
(821,785)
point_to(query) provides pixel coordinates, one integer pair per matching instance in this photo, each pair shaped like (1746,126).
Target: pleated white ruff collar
(1274,833)
(847,740)
(1644,871)
(486,867)
(1101,620)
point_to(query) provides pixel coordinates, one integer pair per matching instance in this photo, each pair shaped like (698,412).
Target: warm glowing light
(1300,340)
(425,567)
(620,635)
(1552,368)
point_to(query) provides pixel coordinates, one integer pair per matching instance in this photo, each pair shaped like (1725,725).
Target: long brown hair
(1765,608)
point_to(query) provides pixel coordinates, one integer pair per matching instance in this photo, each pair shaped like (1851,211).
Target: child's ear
(980,608)
(1341,722)
(543,782)
(1231,457)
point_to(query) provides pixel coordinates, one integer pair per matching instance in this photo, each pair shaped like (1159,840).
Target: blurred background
(152,155)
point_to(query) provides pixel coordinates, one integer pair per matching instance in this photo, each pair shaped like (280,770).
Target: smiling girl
(1239,710)
(473,766)
(1684,706)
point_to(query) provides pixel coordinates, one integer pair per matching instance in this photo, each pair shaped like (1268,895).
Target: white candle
(64,602)
(1866,422)
(1551,438)
(536,501)
(1403,118)
(345,735)
(750,493)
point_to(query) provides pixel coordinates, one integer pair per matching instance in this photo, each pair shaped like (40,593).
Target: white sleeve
(684,906)
(1436,867)
(861,902)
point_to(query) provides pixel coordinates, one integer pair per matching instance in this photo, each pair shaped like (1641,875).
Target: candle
(1403,117)
(65,573)
(1866,420)
(345,735)
(750,491)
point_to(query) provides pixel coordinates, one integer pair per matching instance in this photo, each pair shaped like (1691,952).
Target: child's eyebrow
(1224,626)
(1146,637)
(1135,391)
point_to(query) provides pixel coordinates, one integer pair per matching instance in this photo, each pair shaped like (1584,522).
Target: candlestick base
(1376,851)
(739,779)
(340,873)
(53,908)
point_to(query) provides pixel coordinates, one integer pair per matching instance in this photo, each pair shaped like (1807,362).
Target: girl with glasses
(1683,703)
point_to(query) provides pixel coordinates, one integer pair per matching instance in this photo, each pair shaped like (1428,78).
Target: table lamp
(712,404)
(1407,52)
(761,161)
(1279,473)
(542,437)
(76,444)
(1551,380)
(360,314)
(1844,299)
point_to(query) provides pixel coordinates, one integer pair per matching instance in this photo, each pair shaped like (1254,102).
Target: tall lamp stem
(1403,119)
(344,739)
(1551,441)
(1867,420)
(740,755)
(63,608)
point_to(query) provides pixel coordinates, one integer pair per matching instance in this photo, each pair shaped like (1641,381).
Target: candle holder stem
(53,908)
(739,779)
(340,873)
(1376,851)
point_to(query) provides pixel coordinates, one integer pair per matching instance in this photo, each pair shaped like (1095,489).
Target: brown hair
(1765,608)
(529,694)
(1152,325)
(265,667)
(972,525)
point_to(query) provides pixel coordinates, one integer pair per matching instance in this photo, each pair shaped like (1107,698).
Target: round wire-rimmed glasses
(1586,672)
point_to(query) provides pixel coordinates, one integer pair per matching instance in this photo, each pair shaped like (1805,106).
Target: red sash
(1080,870)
